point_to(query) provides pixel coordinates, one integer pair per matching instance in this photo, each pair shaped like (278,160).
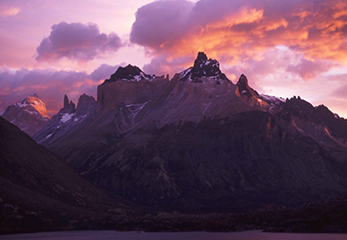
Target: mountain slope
(39,190)
(200,143)
(30,115)
(68,117)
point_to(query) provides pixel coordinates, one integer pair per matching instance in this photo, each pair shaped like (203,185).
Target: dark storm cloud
(76,41)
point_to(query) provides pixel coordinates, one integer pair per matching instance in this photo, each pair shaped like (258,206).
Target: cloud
(76,41)
(8,11)
(9,8)
(308,69)
(50,85)
(236,31)
(160,22)
(104,71)
(164,64)
(341,92)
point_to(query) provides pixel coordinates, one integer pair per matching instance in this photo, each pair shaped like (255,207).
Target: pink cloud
(9,8)
(76,41)
(341,92)
(236,31)
(8,11)
(164,64)
(160,22)
(104,71)
(50,85)
(308,69)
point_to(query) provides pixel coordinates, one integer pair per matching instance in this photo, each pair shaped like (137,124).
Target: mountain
(30,115)
(198,142)
(40,192)
(68,117)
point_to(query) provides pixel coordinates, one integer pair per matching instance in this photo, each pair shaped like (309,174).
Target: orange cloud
(8,11)
(317,29)
(244,15)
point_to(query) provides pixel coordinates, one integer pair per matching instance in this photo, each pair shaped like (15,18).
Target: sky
(285,48)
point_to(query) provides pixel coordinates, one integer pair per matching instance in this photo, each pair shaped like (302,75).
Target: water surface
(114,235)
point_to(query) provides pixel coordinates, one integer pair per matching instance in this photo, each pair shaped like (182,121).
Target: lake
(114,235)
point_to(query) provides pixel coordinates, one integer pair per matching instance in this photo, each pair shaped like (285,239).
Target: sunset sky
(285,48)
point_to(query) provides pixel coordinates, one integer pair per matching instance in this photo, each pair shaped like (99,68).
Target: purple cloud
(341,92)
(76,41)
(163,64)
(308,69)
(158,22)
(104,71)
(50,85)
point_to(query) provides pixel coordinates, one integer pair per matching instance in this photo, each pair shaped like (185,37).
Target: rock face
(204,67)
(200,143)
(68,117)
(129,85)
(30,115)
(69,107)
(39,191)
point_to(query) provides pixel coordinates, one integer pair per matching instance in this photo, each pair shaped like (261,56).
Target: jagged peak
(203,67)
(32,100)
(200,59)
(85,99)
(66,101)
(35,102)
(130,73)
(244,89)
(69,107)
(242,80)
(85,105)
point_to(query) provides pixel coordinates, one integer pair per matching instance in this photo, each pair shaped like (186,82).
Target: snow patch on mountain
(130,74)
(35,102)
(66,117)
(136,108)
(30,114)
(203,68)
(271,99)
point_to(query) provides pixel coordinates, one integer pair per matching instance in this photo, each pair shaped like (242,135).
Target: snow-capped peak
(131,74)
(203,68)
(35,102)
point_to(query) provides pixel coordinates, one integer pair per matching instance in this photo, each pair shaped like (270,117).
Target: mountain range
(39,191)
(199,143)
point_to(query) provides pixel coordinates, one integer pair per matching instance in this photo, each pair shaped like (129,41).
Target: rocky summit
(129,73)
(203,67)
(200,143)
(30,114)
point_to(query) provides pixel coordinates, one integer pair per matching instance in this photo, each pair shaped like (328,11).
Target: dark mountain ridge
(39,191)
(200,143)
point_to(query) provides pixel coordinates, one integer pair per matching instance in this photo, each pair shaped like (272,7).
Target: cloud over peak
(76,41)
(158,22)
(50,85)
(236,31)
